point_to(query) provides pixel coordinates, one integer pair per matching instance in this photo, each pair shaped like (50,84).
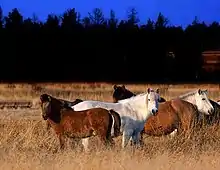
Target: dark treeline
(70,47)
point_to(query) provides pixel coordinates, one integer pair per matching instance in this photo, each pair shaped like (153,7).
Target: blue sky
(179,12)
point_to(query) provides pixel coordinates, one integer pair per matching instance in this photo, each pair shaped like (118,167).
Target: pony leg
(85,143)
(75,142)
(141,138)
(136,138)
(47,125)
(107,141)
(126,137)
(61,140)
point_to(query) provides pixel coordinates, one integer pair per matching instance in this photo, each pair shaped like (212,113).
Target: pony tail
(116,122)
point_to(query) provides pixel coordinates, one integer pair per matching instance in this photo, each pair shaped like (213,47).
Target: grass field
(24,143)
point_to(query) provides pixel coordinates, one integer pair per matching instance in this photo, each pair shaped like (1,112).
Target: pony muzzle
(210,111)
(154,111)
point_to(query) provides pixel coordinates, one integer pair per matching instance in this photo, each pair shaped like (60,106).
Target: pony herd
(129,115)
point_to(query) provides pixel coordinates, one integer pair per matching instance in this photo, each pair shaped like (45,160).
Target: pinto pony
(176,115)
(79,124)
(200,99)
(134,112)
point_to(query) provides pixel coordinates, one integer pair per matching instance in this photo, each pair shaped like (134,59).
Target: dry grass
(24,143)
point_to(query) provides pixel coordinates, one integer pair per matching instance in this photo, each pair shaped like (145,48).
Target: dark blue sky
(180,12)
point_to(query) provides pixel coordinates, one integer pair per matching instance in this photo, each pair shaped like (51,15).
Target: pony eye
(148,99)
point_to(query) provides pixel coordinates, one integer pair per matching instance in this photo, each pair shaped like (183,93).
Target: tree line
(95,47)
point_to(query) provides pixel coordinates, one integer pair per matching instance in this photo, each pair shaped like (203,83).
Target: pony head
(153,98)
(203,102)
(45,106)
(120,93)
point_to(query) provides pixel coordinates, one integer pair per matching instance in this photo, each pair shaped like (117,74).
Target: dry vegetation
(24,143)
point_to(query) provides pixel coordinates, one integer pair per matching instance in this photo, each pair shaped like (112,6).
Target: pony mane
(128,91)
(57,100)
(132,98)
(191,93)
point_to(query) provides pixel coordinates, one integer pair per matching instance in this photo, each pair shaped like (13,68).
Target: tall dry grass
(25,144)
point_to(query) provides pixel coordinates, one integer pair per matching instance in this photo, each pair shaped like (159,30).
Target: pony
(176,115)
(134,112)
(65,103)
(121,92)
(79,124)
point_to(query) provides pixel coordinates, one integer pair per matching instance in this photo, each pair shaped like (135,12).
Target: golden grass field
(24,143)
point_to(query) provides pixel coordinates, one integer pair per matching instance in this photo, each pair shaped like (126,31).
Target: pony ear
(158,90)
(41,98)
(45,98)
(115,87)
(206,91)
(148,90)
(200,91)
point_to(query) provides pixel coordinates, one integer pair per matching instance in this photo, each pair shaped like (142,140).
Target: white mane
(201,101)
(191,93)
(137,97)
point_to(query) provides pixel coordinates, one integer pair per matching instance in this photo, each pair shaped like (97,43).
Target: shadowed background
(106,42)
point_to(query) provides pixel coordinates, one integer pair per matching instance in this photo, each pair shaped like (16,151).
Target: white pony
(134,112)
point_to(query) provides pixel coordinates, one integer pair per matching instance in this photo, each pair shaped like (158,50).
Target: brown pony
(120,93)
(79,124)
